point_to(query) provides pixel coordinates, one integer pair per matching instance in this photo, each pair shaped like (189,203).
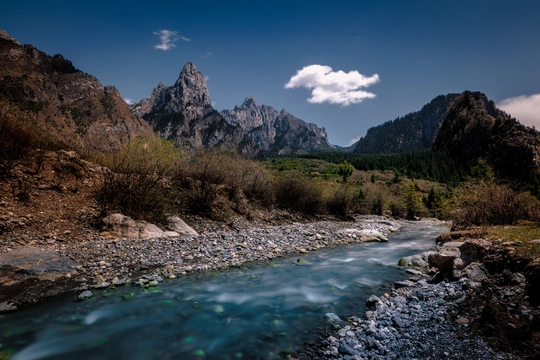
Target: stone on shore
(179,226)
(30,262)
(124,226)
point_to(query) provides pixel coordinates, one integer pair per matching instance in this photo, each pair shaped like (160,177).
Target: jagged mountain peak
(190,88)
(183,112)
(250,101)
(188,96)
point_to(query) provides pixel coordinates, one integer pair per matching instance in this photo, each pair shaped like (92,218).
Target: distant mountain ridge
(412,132)
(56,98)
(277,132)
(183,113)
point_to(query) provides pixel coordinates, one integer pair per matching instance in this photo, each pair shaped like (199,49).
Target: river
(263,311)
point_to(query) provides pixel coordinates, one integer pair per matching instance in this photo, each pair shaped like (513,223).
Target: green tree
(436,202)
(482,171)
(345,170)
(413,205)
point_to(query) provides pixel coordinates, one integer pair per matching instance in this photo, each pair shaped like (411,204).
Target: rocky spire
(250,101)
(190,88)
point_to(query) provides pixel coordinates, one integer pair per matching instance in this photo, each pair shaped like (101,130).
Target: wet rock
(373,301)
(85,295)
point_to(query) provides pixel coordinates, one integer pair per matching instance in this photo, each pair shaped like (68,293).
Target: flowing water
(262,311)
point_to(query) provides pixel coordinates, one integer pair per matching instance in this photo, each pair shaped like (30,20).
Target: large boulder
(124,226)
(121,225)
(444,258)
(179,226)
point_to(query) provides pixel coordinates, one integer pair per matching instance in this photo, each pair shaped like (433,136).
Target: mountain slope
(183,113)
(412,132)
(474,128)
(71,106)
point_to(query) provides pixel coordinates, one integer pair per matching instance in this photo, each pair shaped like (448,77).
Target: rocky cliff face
(277,132)
(183,113)
(474,128)
(73,107)
(412,132)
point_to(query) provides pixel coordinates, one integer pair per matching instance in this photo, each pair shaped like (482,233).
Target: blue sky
(416,49)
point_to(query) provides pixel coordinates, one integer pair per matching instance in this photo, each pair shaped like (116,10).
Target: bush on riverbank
(484,203)
(151,178)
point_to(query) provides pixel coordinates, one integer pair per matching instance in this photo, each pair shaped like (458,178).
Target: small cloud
(525,108)
(128,101)
(213,104)
(206,78)
(168,38)
(207,55)
(352,141)
(334,87)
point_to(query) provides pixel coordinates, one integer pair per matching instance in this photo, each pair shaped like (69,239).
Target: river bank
(473,298)
(35,272)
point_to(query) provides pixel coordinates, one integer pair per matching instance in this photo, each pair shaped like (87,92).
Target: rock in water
(85,295)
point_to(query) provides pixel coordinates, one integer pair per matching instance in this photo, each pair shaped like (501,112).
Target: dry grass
(524,232)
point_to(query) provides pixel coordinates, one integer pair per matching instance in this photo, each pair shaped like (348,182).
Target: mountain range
(75,109)
(183,113)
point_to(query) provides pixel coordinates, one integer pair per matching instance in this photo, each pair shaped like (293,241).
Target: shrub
(137,185)
(396,209)
(17,141)
(298,193)
(341,201)
(482,203)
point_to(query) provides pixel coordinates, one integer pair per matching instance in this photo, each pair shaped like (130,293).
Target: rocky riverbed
(469,299)
(99,264)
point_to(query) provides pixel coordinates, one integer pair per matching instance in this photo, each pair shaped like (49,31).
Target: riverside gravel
(106,261)
(417,322)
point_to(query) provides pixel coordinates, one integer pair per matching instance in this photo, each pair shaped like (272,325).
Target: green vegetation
(150,178)
(437,166)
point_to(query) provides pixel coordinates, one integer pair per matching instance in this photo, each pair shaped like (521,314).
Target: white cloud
(207,55)
(128,101)
(206,78)
(168,38)
(334,87)
(524,108)
(352,141)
